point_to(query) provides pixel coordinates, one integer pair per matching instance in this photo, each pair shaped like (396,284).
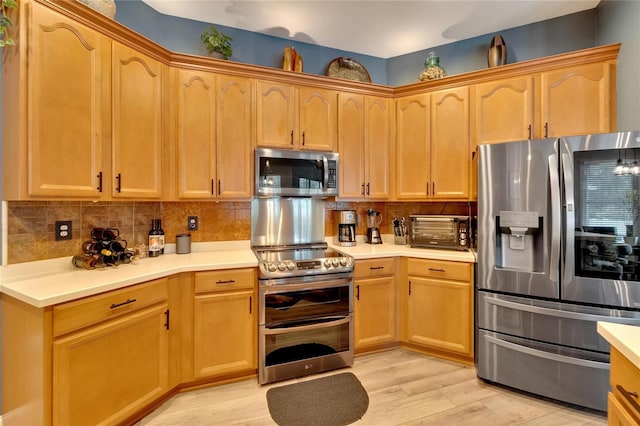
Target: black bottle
(156,238)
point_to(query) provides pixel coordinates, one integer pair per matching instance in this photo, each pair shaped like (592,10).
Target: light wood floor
(404,388)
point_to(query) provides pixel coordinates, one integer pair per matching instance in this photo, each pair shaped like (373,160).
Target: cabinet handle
(219,187)
(117,305)
(529,130)
(250,305)
(99,188)
(433,189)
(373,268)
(119,182)
(427,187)
(358,292)
(368,185)
(302,138)
(436,270)
(213,187)
(225,281)
(292,137)
(166,319)
(546,130)
(630,396)
(362,190)
(409,287)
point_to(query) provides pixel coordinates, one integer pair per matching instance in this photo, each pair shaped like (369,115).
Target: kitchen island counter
(625,338)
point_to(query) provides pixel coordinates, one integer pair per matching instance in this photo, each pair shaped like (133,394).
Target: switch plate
(192,223)
(63,230)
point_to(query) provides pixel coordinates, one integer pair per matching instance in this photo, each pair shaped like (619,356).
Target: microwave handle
(325,181)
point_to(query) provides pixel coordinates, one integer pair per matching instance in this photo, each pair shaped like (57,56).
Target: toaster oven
(439,232)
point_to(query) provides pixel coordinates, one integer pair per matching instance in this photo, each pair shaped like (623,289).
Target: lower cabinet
(225,323)
(439,310)
(117,361)
(374,303)
(623,407)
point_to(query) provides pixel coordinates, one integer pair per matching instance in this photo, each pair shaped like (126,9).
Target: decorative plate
(348,69)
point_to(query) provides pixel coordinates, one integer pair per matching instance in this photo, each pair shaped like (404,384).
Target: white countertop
(49,282)
(625,338)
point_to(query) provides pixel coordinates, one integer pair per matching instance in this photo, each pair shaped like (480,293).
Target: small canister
(183,243)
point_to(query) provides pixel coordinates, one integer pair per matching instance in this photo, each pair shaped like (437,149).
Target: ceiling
(378,28)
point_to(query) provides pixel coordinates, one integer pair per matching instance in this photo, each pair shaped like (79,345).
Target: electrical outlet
(192,223)
(63,230)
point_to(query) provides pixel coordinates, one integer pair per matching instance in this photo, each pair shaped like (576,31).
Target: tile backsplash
(31,224)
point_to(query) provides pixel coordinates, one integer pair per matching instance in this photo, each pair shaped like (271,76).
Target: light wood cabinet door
(450,148)
(351,131)
(412,149)
(377,147)
(234,137)
(318,130)
(577,101)
(95,370)
(275,115)
(503,110)
(195,121)
(68,108)
(374,319)
(137,124)
(617,414)
(225,327)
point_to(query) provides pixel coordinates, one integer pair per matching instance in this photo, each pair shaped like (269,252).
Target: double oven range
(305,291)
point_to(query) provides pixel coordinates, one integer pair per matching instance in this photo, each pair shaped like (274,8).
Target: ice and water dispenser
(519,241)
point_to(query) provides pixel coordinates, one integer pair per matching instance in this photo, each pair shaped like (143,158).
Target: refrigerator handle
(554,257)
(570,221)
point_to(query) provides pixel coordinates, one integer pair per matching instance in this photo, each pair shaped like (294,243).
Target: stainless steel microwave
(282,172)
(440,232)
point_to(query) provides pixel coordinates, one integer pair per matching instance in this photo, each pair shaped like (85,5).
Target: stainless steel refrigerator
(558,250)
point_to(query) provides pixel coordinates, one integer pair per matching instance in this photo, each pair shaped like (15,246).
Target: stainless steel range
(305,291)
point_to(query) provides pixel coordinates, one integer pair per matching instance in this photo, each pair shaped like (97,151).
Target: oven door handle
(315,326)
(315,285)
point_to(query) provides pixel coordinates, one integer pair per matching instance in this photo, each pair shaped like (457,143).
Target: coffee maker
(345,223)
(373,233)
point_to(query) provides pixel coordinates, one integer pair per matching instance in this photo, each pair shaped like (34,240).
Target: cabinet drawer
(458,271)
(374,267)
(227,279)
(625,381)
(91,310)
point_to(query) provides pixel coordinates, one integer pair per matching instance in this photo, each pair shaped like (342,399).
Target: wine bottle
(84,261)
(156,238)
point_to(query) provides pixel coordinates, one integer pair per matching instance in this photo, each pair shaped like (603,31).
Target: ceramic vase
(497,54)
(432,68)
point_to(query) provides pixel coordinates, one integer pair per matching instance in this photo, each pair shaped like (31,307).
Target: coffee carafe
(345,224)
(373,232)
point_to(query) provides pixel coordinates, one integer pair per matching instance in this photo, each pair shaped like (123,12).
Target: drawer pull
(166,317)
(630,396)
(225,281)
(436,270)
(373,268)
(117,305)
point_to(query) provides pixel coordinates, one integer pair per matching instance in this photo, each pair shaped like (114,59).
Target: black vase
(497,54)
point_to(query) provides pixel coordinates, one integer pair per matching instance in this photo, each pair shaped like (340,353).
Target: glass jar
(432,68)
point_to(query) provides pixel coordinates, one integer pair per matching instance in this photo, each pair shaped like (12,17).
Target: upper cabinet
(292,117)
(137,124)
(433,151)
(56,108)
(567,101)
(364,141)
(212,128)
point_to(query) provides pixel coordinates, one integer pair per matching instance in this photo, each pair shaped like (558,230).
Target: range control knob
(281,267)
(349,261)
(327,263)
(271,267)
(335,262)
(343,261)
(291,265)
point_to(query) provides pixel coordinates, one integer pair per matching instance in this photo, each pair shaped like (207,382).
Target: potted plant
(216,42)
(5,22)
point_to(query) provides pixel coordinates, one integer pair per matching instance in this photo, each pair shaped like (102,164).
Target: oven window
(295,306)
(299,345)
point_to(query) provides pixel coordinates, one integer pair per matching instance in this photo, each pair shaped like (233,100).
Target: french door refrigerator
(558,250)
